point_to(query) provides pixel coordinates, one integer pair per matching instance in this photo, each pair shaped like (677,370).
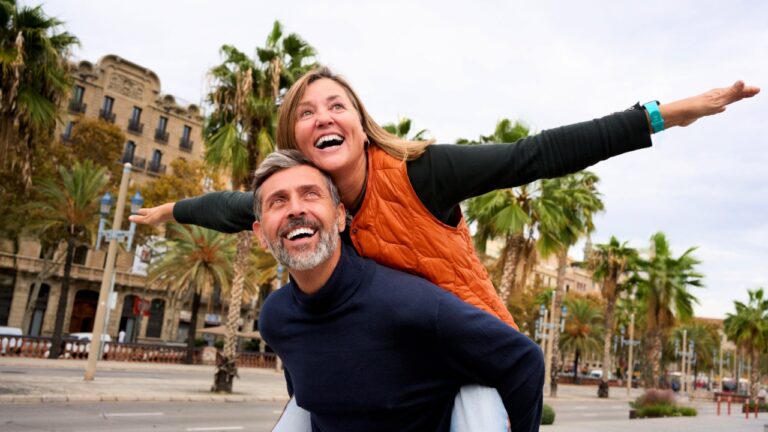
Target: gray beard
(306,258)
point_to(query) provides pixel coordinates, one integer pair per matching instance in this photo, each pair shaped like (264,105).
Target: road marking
(216,428)
(133,414)
(590,415)
(580,407)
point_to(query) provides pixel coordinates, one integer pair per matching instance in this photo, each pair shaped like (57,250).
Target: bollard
(718,406)
(746,407)
(729,406)
(757,405)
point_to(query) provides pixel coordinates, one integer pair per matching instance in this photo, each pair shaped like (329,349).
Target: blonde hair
(392,144)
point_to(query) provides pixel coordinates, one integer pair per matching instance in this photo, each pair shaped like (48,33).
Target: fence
(39,347)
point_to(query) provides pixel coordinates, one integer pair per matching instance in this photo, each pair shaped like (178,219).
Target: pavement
(25,381)
(30,380)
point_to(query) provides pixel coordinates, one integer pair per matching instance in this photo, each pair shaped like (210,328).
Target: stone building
(159,129)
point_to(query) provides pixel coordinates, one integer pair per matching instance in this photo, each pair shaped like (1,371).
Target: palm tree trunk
(653,358)
(576,367)
(562,262)
(610,307)
(61,308)
(196,298)
(509,270)
(226,365)
(754,373)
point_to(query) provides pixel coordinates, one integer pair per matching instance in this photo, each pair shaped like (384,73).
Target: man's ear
(341,217)
(260,235)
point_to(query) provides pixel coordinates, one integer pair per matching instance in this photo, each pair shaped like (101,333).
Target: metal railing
(157,169)
(108,116)
(161,136)
(186,144)
(76,106)
(135,126)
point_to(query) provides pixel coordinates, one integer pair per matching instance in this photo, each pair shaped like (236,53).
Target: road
(140,416)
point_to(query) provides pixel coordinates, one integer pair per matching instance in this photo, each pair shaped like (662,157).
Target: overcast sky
(456,68)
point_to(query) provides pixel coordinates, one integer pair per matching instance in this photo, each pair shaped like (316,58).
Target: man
(365,347)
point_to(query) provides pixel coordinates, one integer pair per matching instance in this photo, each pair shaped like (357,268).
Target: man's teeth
(299,231)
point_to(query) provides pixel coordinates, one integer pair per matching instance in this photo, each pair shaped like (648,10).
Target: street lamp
(114,236)
(547,331)
(631,341)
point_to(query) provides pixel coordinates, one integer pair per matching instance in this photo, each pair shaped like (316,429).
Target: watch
(657,121)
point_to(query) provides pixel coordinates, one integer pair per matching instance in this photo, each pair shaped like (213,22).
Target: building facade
(158,129)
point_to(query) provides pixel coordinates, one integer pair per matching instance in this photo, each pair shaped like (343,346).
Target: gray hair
(280,160)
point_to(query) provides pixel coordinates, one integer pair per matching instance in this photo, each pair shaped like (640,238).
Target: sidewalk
(26,380)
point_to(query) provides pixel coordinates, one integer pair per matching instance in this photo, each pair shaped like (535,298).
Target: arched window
(6,297)
(128,319)
(155,323)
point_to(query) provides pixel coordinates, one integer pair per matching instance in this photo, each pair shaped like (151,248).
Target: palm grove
(57,189)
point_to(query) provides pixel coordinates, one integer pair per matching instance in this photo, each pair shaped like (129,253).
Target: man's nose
(295,207)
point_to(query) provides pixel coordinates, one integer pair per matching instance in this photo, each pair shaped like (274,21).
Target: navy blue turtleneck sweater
(376,349)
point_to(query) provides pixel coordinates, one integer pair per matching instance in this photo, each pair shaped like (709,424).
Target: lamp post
(113,235)
(547,330)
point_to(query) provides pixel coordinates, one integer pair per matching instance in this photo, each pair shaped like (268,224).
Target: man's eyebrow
(328,99)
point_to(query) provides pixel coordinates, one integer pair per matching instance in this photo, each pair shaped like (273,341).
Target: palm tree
(609,263)
(577,198)
(403,127)
(240,132)
(748,327)
(33,80)
(68,209)
(514,213)
(195,260)
(583,330)
(663,286)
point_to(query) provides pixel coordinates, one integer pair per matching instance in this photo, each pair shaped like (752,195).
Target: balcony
(135,127)
(107,115)
(156,169)
(186,145)
(77,107)
(161,136)
(139,163)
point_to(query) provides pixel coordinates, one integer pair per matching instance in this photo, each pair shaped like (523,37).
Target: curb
(65,398)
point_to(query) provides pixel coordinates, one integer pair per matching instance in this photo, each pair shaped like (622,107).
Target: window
(128,153)
(157,157)
(186,133)
(161,135)
(109,103)
(155,323)
(162,125)
(136,114)
(6,297)
(78,94)
(81,253)
(38,314)
(185,143)
(67,135)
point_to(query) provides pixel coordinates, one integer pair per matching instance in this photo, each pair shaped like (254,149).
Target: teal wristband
(657,121)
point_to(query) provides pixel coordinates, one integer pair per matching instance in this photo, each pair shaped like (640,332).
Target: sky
(457,67)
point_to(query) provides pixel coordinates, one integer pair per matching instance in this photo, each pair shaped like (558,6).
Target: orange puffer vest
(394,228)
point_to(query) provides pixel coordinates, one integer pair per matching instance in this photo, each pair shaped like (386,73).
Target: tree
(663,285)
(100,142)
(240,132)
(748,327)
(68,209)
(403,127)
(515,214)
(33,81)
(577,198)
(583,330)
(609,263)
(195,260)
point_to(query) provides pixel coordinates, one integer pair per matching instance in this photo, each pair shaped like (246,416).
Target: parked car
(10,340)
(84,348)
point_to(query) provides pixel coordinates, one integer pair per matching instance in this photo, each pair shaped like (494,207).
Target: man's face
(299,222)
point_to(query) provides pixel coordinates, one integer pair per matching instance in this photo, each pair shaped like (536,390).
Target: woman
(407,215)
(403,196)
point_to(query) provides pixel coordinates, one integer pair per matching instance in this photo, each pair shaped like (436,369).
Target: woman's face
(328,129)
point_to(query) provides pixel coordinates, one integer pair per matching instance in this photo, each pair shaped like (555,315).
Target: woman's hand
(154,215)
(686,111)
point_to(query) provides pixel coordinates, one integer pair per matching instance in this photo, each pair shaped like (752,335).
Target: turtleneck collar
(350,273)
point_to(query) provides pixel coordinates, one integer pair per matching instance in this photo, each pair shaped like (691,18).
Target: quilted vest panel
(394,228)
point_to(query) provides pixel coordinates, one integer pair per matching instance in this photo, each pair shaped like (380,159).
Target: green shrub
(547,415)
(760,407)
(660,403)
(200,342)
(219,344)
(657,410)
(687,411)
